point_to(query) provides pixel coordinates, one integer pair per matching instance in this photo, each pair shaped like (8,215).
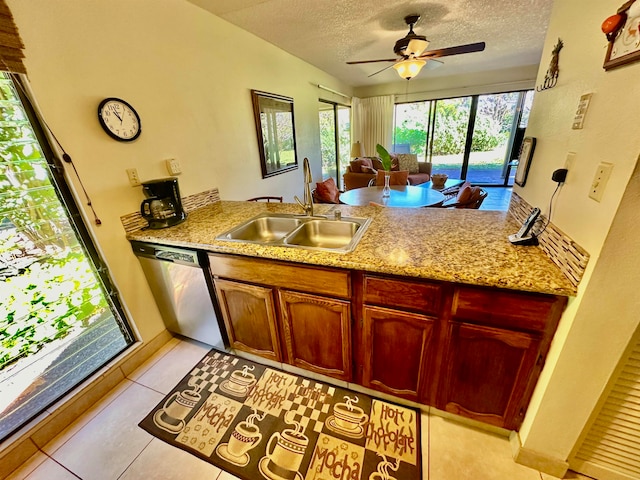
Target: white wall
(598,323)
(189,75)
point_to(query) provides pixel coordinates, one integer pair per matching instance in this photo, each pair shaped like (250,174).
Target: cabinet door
(397,348)
(250,317)
(316,332)
(487,373)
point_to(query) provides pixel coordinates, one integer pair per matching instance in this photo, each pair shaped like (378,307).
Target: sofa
(361,170)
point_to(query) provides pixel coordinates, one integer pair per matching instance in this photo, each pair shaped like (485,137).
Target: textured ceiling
(327,33)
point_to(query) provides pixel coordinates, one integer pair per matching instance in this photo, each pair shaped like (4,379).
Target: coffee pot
(163,206)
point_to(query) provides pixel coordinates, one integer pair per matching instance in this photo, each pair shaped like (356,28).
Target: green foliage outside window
(47,285)
(492,126)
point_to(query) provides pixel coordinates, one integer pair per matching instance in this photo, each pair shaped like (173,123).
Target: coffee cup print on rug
(348,419)
(171,417)
(245,437)
(284,453)
(382,471)
(239,382)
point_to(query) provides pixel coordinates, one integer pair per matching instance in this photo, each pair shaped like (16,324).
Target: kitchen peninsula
(433,305)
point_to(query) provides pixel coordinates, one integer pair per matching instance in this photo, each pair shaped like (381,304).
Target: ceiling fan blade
(446,52)
(380,71)
(432,64)
(373,61)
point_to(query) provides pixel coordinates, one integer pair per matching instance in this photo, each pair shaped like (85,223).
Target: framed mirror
(276,132)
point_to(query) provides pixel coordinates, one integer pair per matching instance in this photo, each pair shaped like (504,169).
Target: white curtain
(373,122)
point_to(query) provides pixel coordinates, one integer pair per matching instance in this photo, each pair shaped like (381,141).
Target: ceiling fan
(413,54)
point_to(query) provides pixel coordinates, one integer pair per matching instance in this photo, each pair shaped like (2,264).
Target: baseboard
(536,460)
(19,447)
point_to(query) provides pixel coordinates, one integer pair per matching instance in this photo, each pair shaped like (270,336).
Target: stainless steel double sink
(339,234)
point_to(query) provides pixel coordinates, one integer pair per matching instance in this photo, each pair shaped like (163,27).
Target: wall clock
(119,119)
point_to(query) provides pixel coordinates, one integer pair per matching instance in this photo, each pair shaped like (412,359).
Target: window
(335,139)
(474,138)
(58,324)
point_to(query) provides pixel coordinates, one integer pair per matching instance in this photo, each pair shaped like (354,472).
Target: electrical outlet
(134,180)
(603,172)
(571,158)
(173,166)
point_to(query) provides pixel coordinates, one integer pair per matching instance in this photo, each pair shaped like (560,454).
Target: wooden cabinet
(473,351)
(397,351)
(316,333)
(291,313)
(399,335)
(495,347)
(249,315)
(487,372)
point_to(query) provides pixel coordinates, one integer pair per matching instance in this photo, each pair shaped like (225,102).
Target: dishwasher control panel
(185,257)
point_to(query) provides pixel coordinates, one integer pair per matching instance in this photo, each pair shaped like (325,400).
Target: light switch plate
(603,172)
(134,180)
(173,166)
(581,112)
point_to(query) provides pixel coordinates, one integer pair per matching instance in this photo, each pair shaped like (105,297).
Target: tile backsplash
(570,257)
(134,221)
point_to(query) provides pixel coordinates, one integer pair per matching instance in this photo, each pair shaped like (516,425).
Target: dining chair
(267,199)
(474,201)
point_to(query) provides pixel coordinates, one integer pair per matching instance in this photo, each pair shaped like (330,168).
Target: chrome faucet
(307,206)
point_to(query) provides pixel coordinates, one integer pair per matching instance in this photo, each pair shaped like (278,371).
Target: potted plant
(385,158)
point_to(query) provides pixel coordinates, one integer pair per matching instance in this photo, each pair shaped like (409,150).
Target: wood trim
(357,320)
(421,296)
(333,282)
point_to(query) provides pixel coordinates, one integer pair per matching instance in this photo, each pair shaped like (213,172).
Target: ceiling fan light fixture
(408,69)
(416,46)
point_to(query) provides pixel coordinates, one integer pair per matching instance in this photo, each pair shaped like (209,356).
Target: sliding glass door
(448,136)
(492,138)
(476,138)
(335,139)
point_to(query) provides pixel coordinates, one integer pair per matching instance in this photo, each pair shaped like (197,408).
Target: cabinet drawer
(335,283)
(525,311)
(421,296)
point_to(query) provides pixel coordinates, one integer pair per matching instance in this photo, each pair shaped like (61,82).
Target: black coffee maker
(163,207)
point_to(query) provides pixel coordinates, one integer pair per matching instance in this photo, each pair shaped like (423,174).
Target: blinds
(611,449)
(10,43)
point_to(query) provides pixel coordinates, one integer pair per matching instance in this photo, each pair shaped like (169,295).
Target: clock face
(119,119)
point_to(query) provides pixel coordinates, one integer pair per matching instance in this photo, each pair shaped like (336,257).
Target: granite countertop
(453,245)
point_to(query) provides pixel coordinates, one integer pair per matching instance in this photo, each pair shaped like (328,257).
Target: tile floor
(105,443)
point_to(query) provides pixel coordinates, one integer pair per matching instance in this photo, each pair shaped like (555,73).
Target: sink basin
(264,229)
(312,233)
(326,234)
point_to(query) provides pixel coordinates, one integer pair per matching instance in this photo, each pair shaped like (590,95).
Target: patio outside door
(493,135)
(474,138)
(335,140)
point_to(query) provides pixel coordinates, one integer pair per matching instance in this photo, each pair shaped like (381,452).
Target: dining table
(399,196)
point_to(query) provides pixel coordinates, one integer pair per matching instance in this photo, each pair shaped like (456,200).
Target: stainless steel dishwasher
(183,291)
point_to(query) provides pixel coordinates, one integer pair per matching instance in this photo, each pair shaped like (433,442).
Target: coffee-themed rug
(259,422)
